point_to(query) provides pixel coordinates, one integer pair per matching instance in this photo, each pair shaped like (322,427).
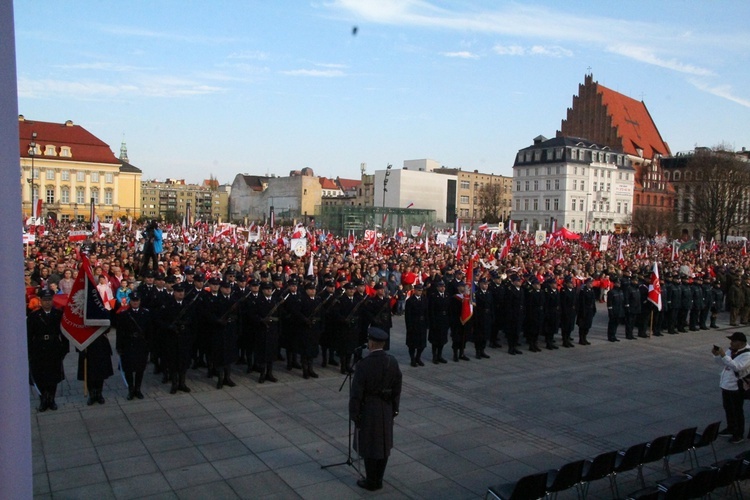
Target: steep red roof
(634,124)
(348,184)
(610,118)
(326,183)
(84,146)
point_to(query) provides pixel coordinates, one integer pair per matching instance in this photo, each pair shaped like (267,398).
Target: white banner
(299,246)
(540,237)
(604,243)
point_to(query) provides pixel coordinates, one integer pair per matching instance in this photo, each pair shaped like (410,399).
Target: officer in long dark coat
(176,320)
(347,313)
(632,297)
(378,312)
(459,330)
(534,324)
(415,317)
(95,366)
(291,324)
(264,319)
(497,289)
(568,305)
(206,324)
(675,304)
(484,318)
(47,348)
(686,304)
(515,312)
(311,309)
(329,296)
(585,311)
(439,306)
(615,310)
(373,403)
(246,333)
(134,332)
(224,317)
(551,312)
(696,290)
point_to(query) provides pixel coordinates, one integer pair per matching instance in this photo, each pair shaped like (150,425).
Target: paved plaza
(462,427)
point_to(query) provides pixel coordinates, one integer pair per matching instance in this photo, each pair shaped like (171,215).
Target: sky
(266,87)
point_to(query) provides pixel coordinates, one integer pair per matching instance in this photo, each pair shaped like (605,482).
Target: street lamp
(385,181)
(32,153)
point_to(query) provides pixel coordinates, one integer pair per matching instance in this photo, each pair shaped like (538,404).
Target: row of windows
(575,204)
(49,174)
(51,150)
(677,175)
(80,195)
(573,153)
(598,172)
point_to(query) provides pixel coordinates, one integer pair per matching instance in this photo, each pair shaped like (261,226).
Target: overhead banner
(540,237)
(604,243)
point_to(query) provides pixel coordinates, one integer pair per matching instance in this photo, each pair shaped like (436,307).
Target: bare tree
(490,202)
(648,221)
(719,186)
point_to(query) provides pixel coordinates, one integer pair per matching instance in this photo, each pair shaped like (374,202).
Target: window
(65,175)
(557,183)
(557,169)
(594,186)
(556,204)
(80,176)
(518,204)
(65,218)
(109,178)
(549,170)
(525,204)
(527,172)
(583,186)
(573,205)
(536,185)
(107,196)
(548,184)
(580,205)
(65,195)
(574,155)
(464,184)
(606,207)
(65,151)
(688,176)
(601,186)
(49,150)
(94,176)
(80,195)
(546,204)
(609,175)
(464,199)
(50,198)
(536,204)
(527,186)
(626,207)
(575,184)
(518,185)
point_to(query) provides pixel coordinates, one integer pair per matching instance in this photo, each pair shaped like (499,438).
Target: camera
(358,352)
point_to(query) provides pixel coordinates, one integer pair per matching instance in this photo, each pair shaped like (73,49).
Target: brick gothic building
(609,118)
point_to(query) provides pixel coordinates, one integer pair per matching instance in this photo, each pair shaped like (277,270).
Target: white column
(15,431)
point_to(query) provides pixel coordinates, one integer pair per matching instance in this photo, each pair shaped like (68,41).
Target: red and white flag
(675,251)
(467,309)
(483,227)
(85,317)
(299,231)
(620,257)
(744,248)
(654,288)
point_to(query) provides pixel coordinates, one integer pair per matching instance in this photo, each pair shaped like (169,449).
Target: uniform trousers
(375,470)
(733,402)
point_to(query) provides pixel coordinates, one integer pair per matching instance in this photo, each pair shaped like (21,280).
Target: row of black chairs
(581,473)
(700,482)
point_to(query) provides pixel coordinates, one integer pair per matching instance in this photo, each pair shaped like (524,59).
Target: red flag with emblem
(654,288)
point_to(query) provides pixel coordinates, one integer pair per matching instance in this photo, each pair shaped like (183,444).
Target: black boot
(310,370)
(262,377)
(435,359)
(305,372)
(462,356)
(99,398)
(175,384)
(324,362)
(412,355)
(92,397)
(182,387)
(441,359)
(269,373)
(418,357)
(43,404)
(332,358)
(227,378)
(455,355)
(131,393)
(51,399)
(295,363)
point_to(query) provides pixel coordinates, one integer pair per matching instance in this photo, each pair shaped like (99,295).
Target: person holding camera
(373,404)
(736,366)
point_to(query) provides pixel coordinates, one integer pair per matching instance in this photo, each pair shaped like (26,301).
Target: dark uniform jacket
(484,314)
(439,318)
(134,330)
(176,324)
(586,309)
(266,328)
(616,303)
(373,402)
(347,313)
(417,322)
(47,346)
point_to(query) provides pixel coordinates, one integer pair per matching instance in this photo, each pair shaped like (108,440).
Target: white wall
(426,190)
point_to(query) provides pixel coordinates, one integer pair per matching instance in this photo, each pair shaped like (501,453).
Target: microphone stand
(349,460)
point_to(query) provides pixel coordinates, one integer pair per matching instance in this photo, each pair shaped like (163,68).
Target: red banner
(84,315)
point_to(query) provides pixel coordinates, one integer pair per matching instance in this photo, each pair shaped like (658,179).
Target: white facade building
(425,189)
(573,182)
(423,165)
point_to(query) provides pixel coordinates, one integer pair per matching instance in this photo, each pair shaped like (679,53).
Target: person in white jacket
(736,366)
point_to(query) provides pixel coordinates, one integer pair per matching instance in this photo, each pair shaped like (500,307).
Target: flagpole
(85,373)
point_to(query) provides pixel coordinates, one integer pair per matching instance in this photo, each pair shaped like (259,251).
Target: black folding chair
(626,460)
(567,476)
(705,438)
(703,481)
(647,493)
(599,467)
(675,487)
(655,450)
(682,442)
(728,475)
(528,487)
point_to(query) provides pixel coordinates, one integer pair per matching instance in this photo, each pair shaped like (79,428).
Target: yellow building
(168,200)
(470,183)
(70,167)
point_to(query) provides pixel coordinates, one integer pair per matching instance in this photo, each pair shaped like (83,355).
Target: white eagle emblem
(78,302)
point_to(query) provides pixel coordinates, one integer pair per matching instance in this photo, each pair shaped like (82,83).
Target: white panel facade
(426,190)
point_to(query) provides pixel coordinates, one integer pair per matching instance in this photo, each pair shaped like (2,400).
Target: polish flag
(620,257)
(483,227)
(654,288)
(467,309)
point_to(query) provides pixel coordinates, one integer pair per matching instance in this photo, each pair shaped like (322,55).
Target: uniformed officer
(47,348)
(568,305)
(347,316)
(207,324)
(291,324)
(515,313)
(95,366)
(615,309)
(686,304)
(551,312)
(695,311)
(459,330)
(224,316)
(378,311)
(373,404)
(415,317)
(263,318)
(134,333)
(534,302)
(497,289)
(329,296)
(311,310)
(439,309)
(176,320)
(585,310)
(484,317)
(632,302)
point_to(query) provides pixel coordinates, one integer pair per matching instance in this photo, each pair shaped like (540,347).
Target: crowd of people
(208,302)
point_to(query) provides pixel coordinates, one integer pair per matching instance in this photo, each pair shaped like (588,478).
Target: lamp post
(32,153)
(385,181)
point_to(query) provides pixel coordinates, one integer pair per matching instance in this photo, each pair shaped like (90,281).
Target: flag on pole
(410,205)
(310,269)
(620,257)
(467,309)
(675,251)
(85,317)
(654,288)
(744,248)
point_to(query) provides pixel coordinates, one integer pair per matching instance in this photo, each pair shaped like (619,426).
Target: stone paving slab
(463,426)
